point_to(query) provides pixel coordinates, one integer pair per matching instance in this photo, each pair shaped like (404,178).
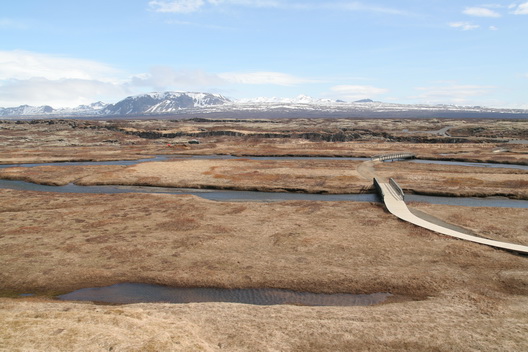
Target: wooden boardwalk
(396,205)
(394,156)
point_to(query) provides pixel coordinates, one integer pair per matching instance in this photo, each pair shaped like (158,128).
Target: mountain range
(192,104)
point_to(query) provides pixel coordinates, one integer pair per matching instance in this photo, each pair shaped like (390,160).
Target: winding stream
(247,196)
(127,293)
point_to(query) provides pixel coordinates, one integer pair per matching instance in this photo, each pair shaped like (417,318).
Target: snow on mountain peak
(160,103)
(300,99)
(164,102)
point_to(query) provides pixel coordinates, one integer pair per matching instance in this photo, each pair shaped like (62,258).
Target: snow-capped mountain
(45,110)
(301,99)
(162,103)
(25,110)
(187,104)
(97,106)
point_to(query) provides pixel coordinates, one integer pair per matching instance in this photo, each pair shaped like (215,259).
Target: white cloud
(480,12)
(177,6)
(19,64)
(58,93)
(43,79)
(36,79)
(189,6)
(358,6)
(521,9)
(198,25)
(454,93)
(493,28)
(250,3)
(465,26)
(354,92)
(166,78)
(275,78)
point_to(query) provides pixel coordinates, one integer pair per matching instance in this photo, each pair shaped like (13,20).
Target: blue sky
(65,53)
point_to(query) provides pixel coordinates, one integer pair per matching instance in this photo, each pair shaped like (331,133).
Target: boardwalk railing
(378,187)
(396,187)
(395,156)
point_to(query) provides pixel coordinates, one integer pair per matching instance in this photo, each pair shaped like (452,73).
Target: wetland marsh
(54,243)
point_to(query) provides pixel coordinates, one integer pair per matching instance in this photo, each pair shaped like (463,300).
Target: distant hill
(207,105)
(26,110)
(163,103)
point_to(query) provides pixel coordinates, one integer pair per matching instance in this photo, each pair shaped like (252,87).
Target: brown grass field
(448,295)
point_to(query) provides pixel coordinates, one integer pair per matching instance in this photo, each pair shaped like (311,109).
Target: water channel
(247,196)
(126,293)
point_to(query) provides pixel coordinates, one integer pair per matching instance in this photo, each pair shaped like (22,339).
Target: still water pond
(127,293)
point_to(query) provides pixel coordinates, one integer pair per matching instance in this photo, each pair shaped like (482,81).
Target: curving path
(396,206)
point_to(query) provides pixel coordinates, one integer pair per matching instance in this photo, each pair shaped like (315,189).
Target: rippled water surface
(127,293)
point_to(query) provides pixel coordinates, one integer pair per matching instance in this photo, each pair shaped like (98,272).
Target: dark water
(226,157)
(177,157)
(233,196)
(248,196)
(499,202)
(128,293)
(217,195)
(207,157)
(89,163)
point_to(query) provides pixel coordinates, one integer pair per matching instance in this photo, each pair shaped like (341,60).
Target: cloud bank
(51,79)
(521,9)
(355,92)
(42,79)
(453,93)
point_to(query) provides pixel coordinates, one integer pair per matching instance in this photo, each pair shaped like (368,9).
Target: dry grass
(101,140)
(457,180)
(52,243)
(184,241)
(449,324)
(449,295)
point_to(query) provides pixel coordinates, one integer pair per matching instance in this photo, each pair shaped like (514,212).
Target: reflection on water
(128,293)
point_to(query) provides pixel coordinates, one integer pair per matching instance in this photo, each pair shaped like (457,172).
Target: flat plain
(448,295)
